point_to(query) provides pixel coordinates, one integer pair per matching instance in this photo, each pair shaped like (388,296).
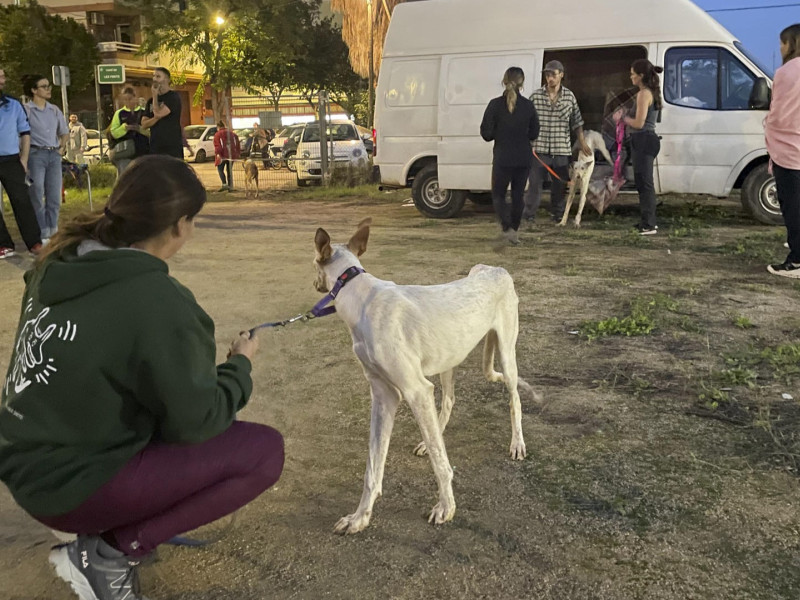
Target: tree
(325,66)
(275,41)
(32,41)
(205,33)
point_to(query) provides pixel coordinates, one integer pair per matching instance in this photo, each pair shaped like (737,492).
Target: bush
(351,175)
(102,174)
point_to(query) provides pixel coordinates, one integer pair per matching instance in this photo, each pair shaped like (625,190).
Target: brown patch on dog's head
(358,243)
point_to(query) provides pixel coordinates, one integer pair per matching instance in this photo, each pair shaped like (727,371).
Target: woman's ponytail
(513,79)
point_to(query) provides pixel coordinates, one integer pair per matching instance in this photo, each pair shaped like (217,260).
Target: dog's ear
(358,243)
(322,241)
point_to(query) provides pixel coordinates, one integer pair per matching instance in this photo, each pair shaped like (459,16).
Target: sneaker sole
(651,232)
(59,558)
(788,274)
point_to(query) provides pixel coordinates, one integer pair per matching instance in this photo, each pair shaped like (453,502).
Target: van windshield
(755,60)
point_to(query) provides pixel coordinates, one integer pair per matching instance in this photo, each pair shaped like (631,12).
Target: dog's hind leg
(508,329)
(448,398)
(385,399)
(489,347)
(419,395)
(584,190)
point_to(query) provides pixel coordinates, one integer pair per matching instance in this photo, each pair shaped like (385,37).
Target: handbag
(123,149)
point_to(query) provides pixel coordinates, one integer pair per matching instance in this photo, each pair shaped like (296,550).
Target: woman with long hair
(645,144)
(49,136)
(782,132)
(511,122)
(115,422)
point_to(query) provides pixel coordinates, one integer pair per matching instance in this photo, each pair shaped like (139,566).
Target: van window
(707,78)
(413,83)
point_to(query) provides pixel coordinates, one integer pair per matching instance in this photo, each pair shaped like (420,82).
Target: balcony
(117,47)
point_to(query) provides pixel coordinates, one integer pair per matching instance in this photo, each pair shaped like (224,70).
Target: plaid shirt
(556,121)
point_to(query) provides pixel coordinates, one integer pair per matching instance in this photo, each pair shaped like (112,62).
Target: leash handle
(546,166)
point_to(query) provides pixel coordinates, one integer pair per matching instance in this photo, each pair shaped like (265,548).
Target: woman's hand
(244,345)
(617,116)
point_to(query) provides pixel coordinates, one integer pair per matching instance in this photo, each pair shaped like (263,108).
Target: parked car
(201,140)
(366,135)
(716,94)
(345,148)
(284,144)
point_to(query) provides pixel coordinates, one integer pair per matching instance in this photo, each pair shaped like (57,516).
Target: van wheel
(433,201)
(481,198)
(760,197)
(303,182)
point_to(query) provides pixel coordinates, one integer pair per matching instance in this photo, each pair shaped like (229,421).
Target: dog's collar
(321,308)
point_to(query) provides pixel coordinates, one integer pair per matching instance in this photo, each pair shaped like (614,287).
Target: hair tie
(109,214)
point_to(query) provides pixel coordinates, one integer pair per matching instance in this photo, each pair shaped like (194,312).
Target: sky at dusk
(758,26)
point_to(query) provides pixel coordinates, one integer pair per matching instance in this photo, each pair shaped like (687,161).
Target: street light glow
(220,20)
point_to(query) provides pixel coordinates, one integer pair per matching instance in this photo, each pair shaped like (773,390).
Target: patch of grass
(753,248)
(711,396)
(366,191)
(681,227)
(742,322)
(642,320)
(572,271)
(737,376)
(630,237)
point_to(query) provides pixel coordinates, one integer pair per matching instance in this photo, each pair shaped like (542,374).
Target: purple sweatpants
(168,489)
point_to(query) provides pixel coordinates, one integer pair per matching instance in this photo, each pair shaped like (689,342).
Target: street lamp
(371,61)
(219,20)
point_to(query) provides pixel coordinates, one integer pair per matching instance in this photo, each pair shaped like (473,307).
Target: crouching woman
(115,422)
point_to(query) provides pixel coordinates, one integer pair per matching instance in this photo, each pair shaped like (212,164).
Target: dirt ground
(660,466)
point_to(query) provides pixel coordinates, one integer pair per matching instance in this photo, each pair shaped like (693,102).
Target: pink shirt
(782,125)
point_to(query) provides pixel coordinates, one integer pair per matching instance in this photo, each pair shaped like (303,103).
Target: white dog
(581,174)
(403,334)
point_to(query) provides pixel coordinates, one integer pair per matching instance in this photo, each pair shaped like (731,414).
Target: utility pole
(371,100)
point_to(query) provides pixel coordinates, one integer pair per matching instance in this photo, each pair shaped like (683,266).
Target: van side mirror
(761,96)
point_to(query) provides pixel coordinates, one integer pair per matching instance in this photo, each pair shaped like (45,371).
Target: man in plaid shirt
(559,115)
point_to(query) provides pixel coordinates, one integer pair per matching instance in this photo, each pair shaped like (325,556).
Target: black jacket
(512,133)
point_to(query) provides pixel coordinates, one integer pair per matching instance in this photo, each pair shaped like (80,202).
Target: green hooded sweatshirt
(111,354)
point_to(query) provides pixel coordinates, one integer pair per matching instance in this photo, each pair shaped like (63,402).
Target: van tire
(760,196)
(430,200)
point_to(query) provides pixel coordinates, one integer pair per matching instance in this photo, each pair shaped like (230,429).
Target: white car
(345,147)
(201,140)
(92,155)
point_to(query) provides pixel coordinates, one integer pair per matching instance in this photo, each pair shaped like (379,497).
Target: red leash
(553,173)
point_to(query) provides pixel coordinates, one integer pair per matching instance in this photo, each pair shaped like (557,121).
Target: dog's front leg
(423,406)
(584,190)
(448,398)
(385,399)
(570,197)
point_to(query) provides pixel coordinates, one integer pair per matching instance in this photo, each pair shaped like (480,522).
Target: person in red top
(226,149)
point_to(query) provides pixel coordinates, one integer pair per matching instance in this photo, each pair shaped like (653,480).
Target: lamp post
(371,90)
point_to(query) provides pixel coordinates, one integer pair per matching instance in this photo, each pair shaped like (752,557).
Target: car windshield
(764,68)
(194,133)
(337,133)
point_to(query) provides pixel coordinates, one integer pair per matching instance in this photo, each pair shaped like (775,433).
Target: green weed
(742,322)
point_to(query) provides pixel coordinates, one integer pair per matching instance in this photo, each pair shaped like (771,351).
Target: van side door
(707,127)
(467,83)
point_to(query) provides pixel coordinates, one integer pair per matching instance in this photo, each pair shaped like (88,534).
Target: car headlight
(357,152)
(306,154)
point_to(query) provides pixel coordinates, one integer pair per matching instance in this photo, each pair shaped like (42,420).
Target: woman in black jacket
(512,123)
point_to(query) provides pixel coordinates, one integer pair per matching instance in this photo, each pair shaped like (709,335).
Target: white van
(443,61)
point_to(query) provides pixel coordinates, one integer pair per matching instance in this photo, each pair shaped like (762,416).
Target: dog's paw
(561,224)
(442,513)
(578,223)
(421,449)
(517,450)
(351,524)
(495,377)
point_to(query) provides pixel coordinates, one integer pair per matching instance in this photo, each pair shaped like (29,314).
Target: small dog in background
(581,173)
(250,177)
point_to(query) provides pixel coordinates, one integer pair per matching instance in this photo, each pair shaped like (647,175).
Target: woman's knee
(266,449)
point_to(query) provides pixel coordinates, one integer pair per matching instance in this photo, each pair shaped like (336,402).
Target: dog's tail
(524,388)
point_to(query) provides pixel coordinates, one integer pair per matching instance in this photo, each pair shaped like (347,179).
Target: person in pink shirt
(782,132)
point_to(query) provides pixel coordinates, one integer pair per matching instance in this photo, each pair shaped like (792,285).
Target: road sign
(110,74)
(61,73)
